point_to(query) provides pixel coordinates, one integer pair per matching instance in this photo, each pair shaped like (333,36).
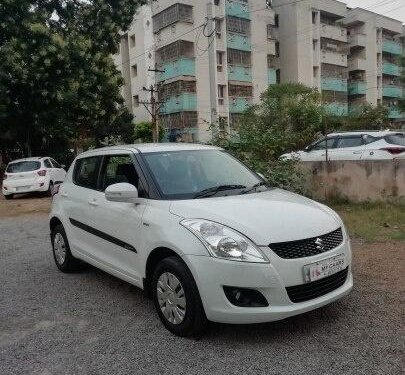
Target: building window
(134,70)
(221,94)
(216,2)
(277,45)
(276,20)
(132,41)
(278,76)
(220,61)
(175,13)
(237,25)
(314,18)
(135,100)
(238,57)
(218,28)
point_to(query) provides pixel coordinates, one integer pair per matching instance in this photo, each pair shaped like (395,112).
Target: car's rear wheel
(8,196)
(50,189)
(64,259)
(177,299)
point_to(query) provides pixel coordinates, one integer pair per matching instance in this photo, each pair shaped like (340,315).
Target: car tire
(185,319)
(8,196)
(50,189)
(62,255)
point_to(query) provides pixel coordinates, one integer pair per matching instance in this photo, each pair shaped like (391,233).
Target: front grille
(308,247)
(314,289)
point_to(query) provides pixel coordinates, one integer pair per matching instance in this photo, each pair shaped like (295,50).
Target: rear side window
(23,166)
(47,163)
(349,142)
(396,139)
(86,171)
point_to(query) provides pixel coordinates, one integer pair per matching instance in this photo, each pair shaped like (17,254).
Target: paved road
(92,323)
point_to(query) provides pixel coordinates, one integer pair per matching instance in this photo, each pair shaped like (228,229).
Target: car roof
(152,147)
(376,133)
(34,158)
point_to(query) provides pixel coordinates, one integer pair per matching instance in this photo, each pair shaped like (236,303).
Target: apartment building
(374,62)
(207,73)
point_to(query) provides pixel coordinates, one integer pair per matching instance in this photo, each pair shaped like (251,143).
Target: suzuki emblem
(319,244)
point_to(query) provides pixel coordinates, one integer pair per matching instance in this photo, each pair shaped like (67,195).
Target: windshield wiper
(254,187)
(215,189)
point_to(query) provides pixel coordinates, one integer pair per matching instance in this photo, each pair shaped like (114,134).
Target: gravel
(93,323)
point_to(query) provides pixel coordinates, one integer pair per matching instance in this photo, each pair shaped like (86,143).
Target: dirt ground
(23,205)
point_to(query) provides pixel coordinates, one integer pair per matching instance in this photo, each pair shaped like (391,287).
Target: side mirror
(63,166)
(307,149)
(122,192)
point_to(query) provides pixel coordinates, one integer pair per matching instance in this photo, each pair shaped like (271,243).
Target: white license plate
(22,188)
(324,268)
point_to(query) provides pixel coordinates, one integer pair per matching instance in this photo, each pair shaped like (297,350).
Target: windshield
(184,174)
(396,139)
(23,166)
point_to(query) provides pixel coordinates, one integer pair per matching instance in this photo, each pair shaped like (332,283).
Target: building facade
(210,60)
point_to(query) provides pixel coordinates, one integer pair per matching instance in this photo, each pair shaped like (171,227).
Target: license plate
(324,268)
(21,188)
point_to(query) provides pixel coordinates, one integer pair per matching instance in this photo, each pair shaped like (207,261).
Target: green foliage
(144,132)
(288,117)
(57,78)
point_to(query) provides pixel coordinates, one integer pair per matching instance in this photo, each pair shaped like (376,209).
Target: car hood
(271,216)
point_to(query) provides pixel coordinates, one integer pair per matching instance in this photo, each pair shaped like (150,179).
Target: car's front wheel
(64,259)
(177,299)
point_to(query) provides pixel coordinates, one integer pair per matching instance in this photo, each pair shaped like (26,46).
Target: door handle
(357,152)
(93,203)
(64,195)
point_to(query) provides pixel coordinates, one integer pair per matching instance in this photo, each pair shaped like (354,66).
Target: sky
(390,8)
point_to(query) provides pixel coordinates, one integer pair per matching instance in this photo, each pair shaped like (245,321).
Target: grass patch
(373,221)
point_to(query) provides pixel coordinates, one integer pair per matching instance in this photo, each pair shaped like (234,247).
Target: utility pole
(211,62)
(154,106)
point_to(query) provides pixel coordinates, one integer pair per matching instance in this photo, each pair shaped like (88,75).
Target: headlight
(223,242)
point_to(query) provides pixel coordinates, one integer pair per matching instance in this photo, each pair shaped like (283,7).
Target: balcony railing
(357,88)
(184,102)
(390,46)
(337,109)
(392,91)
(237,9)
(391,69)
(238,41)
(239,73)
(334,84)
(181,67)
(271,76)
(239,104)
(395,113)
(357,40)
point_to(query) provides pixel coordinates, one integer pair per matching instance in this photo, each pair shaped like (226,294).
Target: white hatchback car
(205,236)
(358,145)
(38,174)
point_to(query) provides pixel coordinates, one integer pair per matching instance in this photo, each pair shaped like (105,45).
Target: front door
(119,225)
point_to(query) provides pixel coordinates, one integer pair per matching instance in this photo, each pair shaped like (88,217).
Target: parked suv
(205,236)
(358,145)
(30,175)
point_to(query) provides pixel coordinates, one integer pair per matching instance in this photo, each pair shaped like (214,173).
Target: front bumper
(38,186)
(270,279)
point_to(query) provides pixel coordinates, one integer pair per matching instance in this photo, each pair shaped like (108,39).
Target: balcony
(239,104)
(333,32)
(271,76)
(333,58)
(180,103)
(395,113)
(337,109)
(237,9)
(334,84)
(392,91)
(357,63)
(239,73)
(391,69)
(390,46)
(238,41)
(357,40)
(183,66)
(357,88)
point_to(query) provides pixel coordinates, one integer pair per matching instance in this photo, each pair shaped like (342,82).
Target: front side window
(344,142)
(118,168)
(23,166)
(86,172)
(322,144)
(183,174)
(47,163)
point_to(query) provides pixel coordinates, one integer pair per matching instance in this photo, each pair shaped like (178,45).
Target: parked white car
(358,145)
(203,235)
(38,174)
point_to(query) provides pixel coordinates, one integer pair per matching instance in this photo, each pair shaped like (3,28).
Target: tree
(288,117)
(368,117)
(144,132)
(57,77)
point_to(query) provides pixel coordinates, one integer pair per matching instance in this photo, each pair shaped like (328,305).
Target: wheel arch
(54,222)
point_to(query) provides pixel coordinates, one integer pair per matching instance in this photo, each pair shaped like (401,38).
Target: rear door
(317,151)
(59,171)
(348,147)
